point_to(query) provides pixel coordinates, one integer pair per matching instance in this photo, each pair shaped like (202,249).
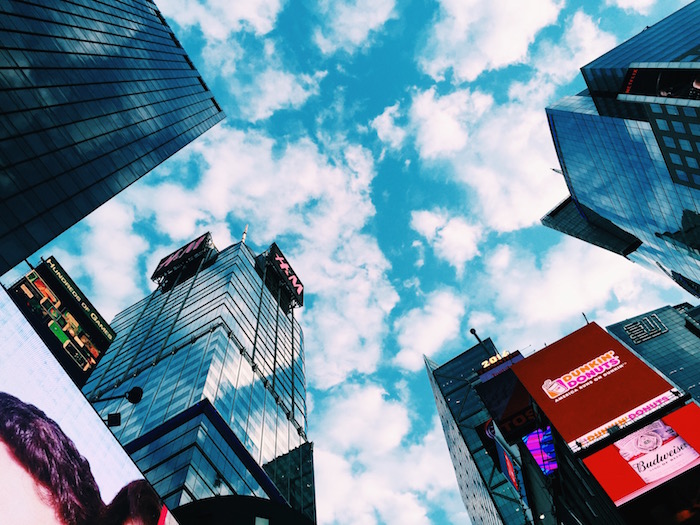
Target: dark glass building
(499,481)
(667,338)
(93,95)
(629,149)
(220,359)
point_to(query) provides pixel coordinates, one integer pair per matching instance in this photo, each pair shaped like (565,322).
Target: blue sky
(398,153)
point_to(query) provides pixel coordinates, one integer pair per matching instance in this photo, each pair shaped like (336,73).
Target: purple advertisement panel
(540,443)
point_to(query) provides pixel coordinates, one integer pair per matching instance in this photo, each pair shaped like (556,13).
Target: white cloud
(640,6)
(320,204)
(504,153)
(386,128)
(257,79)
(218,19)
(274,89)
(110,257)
(349,24)
(442,122)
(472,36)
(360,455)
(425,330)
(558,63)
(452,238)
(541,301)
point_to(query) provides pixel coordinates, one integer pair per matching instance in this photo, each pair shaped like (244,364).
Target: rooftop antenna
(584,316)
(245,234)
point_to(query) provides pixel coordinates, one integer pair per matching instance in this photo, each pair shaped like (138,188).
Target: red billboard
(649,457)
(588,383)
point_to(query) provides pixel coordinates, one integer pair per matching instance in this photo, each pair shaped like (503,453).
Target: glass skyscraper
(220,359)
(488,495)
(629,149)
(668,338)
(93,95)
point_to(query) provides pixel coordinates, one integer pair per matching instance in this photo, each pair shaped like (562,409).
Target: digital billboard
(650,456)
(657,82)
(64,318)
(507,400)
(588,383)
(59,463)
(289,279)
(540,444)
(182,257)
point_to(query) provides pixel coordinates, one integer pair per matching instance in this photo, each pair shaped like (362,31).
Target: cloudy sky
(399,154)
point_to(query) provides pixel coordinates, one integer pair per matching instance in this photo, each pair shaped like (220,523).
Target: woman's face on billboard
(22,500)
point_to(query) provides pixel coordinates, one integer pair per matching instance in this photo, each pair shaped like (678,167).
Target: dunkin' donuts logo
(581,375)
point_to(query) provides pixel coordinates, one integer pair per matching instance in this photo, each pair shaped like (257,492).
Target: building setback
(93,95)
(629,150)
(220,359)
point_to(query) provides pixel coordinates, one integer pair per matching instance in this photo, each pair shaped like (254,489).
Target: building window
(662,124)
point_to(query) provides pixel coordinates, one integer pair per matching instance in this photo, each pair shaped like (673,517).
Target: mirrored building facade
(667,338)
(93,95)
(220,359)
(488,495)
(629,150)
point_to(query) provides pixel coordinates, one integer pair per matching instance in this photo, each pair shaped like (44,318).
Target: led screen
(588,382)
(656,82)
(47,425)
(540,443)
(650,456)
(63,317)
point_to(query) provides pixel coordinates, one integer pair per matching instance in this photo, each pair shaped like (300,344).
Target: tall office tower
(485,416)
(629,149)
(668,338)
(93,95)
(220,359)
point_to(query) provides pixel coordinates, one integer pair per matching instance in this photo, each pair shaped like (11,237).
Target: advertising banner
(649,457)
(540,443)
(657,82)
(588,383)
(182,257)
(289,279)
(508,403)
(65,319)
(59,463)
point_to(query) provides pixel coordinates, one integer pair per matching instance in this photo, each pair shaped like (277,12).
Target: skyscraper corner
(92,97)
(220,358)
(629,150)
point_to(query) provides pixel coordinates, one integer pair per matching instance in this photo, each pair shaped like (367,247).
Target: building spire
(245,234)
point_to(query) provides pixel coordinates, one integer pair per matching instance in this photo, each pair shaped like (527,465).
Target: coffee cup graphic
(554,388)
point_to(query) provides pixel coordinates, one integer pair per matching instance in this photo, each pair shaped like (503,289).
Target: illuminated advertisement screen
(588,382)
(540,443)
(508,403)
(182,256)
(64,318)
(649,457)
(59,463)
(656,82)
(284,270)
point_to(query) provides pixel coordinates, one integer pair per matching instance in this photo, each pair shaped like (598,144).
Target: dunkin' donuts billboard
(588,383)
(650,457)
